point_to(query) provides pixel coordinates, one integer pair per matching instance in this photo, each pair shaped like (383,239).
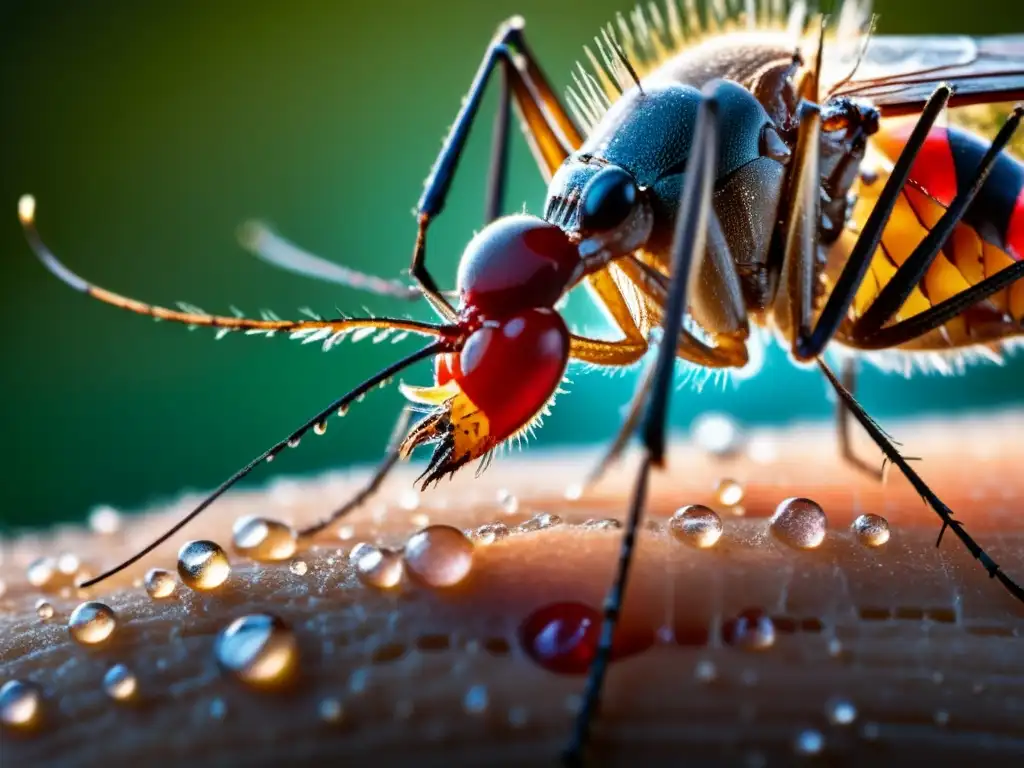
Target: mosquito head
(514,345)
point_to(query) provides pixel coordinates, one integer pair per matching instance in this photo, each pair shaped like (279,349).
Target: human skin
(927,648)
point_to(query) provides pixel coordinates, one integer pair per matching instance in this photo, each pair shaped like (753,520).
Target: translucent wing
(897,73)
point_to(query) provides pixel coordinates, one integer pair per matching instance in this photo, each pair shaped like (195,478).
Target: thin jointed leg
(375,481)
(844,423)
(945,513)
(688,244)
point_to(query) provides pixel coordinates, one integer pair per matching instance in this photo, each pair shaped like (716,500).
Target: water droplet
(320,428)
(752,630)
(809,742)
(105,520)
(270,457)
(203,565)
(476,700)
(696,525)
(21,704)
(539,522)
(44,609)
(259,649)
(730,492)
(603,524)
(377,567)
(120,683)
(343,410)
(263,539)
(871,530)
(439,556)
(346,532)
(488,534)
(42,572)
(705,671)
(331,710)
(298,567)
(800,523)
(716,433)
(841,711)
(68,564)
(92,622)
(508,502)
(159,583)
(293,442)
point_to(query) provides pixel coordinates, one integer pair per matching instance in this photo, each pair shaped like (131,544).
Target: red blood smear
(563,638)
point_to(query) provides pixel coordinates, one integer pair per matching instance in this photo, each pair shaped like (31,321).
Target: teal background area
(150,130)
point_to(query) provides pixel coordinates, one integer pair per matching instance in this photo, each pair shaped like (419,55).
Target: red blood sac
(516,262)
(563,638)
(510,369)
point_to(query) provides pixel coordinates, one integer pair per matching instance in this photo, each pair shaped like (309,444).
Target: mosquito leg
(843,423)
(796,290)
(688,244)
(912,271)
(942,313)
(944,513)
(374,483)
(618,445)
(547,141)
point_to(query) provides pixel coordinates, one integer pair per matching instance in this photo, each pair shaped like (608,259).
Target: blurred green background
(150,130)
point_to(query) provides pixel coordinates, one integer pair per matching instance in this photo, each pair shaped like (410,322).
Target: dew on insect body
(752,629)
(92,622)
(21,704)
(377,566)
(730,492)
(104,520)
(119,683)
(800,523)
(44,609)
(159,583)
(439,556)
(841,711)
(320,428)
(476,700)
(696,525)
(203,565)
(716,434)
(490,533)
(263,539)
(298,567)
(294,442)
(809,742)
(259,649)
(871,530)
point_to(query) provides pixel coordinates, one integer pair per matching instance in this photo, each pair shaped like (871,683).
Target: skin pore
(923,647)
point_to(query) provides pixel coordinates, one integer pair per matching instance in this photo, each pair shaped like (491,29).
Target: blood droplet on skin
(563,638)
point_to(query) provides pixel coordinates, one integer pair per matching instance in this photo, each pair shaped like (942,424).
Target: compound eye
(607,200)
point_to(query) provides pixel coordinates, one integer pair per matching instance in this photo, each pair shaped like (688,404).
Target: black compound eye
(607,200)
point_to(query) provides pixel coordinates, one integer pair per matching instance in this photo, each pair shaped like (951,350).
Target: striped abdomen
(989,239)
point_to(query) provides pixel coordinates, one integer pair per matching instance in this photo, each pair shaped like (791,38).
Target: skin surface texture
(927,650)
